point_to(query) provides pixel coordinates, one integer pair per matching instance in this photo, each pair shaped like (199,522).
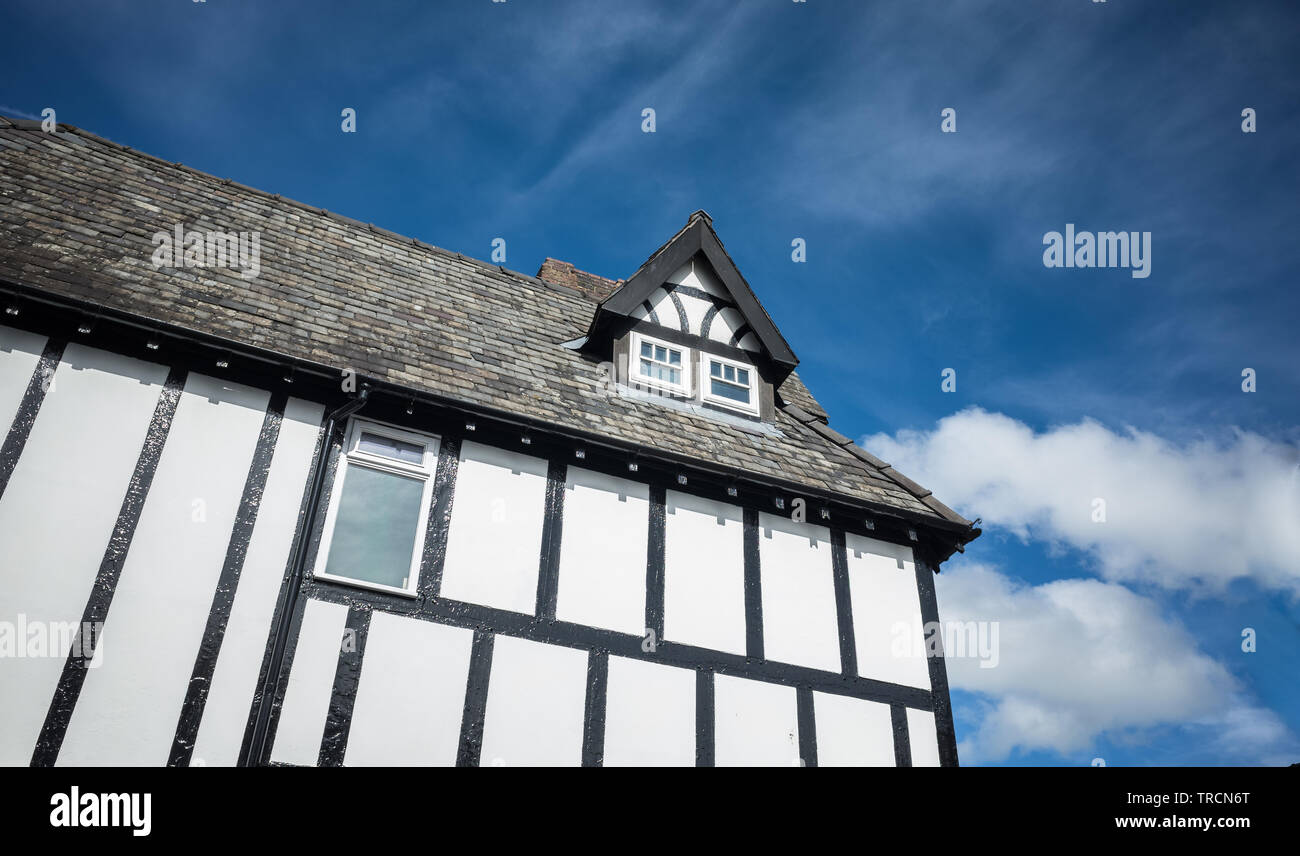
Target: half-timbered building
(279,487)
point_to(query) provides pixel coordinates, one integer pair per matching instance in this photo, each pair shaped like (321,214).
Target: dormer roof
(695,243)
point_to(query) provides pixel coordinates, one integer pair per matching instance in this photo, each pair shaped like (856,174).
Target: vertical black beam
(943,721)
(654,569)
(902,743)
(753,589)
(205,664)
(435,539)
(593,733)
(476,691)
(286,619)
(347,677)
(110,569)
(33,398)
(807,727)
(548,571)
(704,719)
(843,603)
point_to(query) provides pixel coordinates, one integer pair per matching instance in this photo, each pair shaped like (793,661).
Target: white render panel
(749,342)
(695,309)
(129,706)
(495,543)
(698,276)
(603,552)
(665,309)
(311,684)
(887,626)
(411,694)
(923,738)
(649,715)
(704,573)
(225,716)
(853,732)
(755,723)
(800,623)
(536,705)
(20,352)
(725,324)
(58,513)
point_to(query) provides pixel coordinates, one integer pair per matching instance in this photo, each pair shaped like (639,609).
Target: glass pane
(663,373)
(722,389)
(646,350)
(742,376)
(661,354)
(412,453)
(715,369)
(729,372)
(376,526)
(675,357)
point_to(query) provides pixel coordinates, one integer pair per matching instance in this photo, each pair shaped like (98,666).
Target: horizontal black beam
(505,623)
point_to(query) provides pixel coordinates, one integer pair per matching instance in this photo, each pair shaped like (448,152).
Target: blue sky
(821,120)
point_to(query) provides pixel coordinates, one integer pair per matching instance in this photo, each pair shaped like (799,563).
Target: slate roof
(77,213)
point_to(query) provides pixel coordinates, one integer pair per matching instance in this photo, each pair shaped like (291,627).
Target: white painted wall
(536,705)
(852,732)
(603,552)
(311,683)
(725,324)
(800,625)
(704,573)
(495,543)
(59,511)
(649,715)
(665,309)
(887,626)
(411,695)
(756,723)
(225,716)
(695,309)
(129,706)
(20,351)
(923,737)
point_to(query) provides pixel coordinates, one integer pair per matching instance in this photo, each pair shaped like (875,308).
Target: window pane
(715,369)
(742,376)
(646,350)
(722,389)
(660,354)
(675,357)
(729,372)
(376,527)
(412,453)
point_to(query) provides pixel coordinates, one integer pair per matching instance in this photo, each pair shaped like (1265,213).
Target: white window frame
(353,456)
(634,365)
(706,390)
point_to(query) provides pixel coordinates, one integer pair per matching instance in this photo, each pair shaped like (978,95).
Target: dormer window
(659,364)
(727,383)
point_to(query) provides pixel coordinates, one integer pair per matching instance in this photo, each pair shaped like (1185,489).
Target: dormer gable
(687,326)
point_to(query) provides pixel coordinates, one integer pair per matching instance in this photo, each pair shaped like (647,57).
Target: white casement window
(728,383)
(379,508)
(660,364)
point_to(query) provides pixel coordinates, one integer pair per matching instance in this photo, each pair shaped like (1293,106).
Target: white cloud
(1084,659)
(1193,516)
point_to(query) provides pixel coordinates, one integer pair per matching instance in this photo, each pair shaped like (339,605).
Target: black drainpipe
(257,749)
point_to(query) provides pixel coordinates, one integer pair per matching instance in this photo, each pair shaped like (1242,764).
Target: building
(279,487)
